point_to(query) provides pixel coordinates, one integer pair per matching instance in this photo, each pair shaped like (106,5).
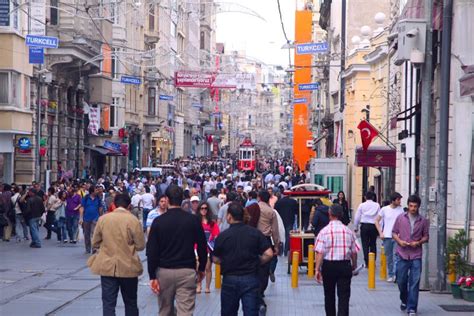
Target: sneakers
(390,279)
(403,307)
(272,277)
(411,313)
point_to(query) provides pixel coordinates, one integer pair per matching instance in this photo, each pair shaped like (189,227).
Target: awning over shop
(376,156)
(103,151)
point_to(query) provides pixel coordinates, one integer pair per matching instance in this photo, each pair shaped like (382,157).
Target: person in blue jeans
(60,214)
(240,250)
(34,211)
(410,231)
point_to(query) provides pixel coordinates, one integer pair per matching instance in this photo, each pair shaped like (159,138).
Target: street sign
(36,55)
(166,97)
(4,12)
(130,80)
(42,41)
(311,48)
(299,100)
(112,146)
(308,86)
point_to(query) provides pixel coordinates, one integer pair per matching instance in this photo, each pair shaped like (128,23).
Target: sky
(261,39)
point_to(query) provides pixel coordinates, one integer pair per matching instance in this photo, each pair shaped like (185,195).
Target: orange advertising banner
(301,129)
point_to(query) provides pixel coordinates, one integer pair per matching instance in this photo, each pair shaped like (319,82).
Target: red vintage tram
(247,156)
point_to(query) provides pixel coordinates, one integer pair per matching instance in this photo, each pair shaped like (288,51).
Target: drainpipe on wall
(442,182)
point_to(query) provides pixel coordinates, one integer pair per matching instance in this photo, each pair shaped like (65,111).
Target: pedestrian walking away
(410,231)
(118,237)
(34,211)
(366,216)
(384,223)
(336,257)
(171,256)
(91,209)
(240,250)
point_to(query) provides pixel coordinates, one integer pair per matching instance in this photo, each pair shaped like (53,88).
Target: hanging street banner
(42,41)
(299,101)
(308,86)
(94,121)
(4,12)
(196,79)
(166,97)
(130,80)
(38,23)
(311,48)
(36,55)
(113,146)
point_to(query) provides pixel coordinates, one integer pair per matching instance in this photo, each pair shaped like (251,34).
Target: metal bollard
(371,281)
(451,268)
(310,261)
(218,280)
(294,269)
(383,264)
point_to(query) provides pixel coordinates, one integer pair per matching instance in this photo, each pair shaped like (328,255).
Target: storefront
(7,151)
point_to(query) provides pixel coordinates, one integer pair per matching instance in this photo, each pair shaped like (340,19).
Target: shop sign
(112,146)
(311,48)
(165,97)
(4,12)
(24,145)
(36,55)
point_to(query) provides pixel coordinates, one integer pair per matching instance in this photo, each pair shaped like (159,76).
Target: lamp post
(365,170)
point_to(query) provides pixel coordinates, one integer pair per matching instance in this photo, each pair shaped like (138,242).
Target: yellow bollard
(294,269)
(371,280)
(310,261)
(383,264)
(218,280)
(451,268)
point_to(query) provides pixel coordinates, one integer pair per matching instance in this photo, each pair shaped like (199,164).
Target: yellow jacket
(118,236)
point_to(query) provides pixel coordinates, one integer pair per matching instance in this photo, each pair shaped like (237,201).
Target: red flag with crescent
(367,133)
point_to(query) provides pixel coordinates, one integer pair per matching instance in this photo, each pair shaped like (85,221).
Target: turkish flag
(367,133)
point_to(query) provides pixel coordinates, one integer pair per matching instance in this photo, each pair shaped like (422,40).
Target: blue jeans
(72,222)
(34,230)
(21,226)
(240,287)
(145,216)
(389,246)
(408,279)
(61,228)
(273,264)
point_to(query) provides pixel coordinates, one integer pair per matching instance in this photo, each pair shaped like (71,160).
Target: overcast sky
(260,39)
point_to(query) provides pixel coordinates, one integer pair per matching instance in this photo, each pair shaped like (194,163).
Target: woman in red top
(211,230)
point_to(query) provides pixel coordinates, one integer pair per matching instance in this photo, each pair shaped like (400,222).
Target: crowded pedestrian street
(236,157)
(57,282)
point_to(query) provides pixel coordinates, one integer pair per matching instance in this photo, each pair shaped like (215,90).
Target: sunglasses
(204,208)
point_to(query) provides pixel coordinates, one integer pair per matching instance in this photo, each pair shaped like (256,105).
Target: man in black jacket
(171,257)
(321,218)
(34,211)
(287,208)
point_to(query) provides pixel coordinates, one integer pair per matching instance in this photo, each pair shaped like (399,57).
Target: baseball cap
(195,198)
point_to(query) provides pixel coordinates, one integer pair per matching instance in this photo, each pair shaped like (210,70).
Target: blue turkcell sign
(130,80)
(311,48)
(36,55)
(299,100)
(166,97)
(308,86)
(42,41)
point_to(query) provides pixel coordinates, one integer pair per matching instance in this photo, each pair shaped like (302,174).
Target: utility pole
(425,146)
(441,208)
(38,127)
(343,58)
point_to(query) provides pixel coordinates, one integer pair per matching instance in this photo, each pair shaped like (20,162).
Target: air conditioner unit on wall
(411,41)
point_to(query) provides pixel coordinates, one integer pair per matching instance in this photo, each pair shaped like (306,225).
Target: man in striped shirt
(336,257)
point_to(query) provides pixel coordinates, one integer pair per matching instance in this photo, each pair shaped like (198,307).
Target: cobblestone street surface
(54,280)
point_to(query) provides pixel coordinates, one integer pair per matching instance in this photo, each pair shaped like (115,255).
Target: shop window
(151,101)
(113,121)
(335,184)
(319,179)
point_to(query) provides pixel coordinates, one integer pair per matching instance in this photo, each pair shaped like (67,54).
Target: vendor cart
(300,239)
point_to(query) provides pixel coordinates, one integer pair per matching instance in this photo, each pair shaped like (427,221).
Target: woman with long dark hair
(211,230)
(341,200)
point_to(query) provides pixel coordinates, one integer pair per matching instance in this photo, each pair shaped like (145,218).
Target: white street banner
(94,121)
(38,17)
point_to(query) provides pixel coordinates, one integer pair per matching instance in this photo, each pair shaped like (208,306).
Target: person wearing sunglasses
(211,230)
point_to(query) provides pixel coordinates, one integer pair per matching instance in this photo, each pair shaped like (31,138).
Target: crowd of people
(203,213)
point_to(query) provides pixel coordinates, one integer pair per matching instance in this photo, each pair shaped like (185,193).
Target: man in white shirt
(148,203)
(384,223)
(160,210)
(365,216)
(208,184)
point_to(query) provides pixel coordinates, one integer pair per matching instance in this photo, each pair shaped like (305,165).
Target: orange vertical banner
(301,129)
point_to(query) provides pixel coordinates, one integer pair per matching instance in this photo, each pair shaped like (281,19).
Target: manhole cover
(458,308)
